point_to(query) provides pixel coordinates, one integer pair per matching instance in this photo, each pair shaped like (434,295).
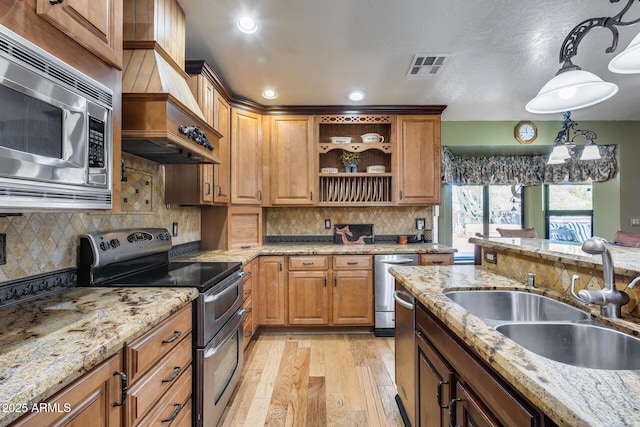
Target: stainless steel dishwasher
(405,360)
(384,286)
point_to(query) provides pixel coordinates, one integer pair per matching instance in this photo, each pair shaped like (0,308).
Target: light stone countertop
(246,255)
(626,260)
(48,342)
(570,396)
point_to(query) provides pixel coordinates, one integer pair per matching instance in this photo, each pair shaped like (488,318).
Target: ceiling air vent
(426,65)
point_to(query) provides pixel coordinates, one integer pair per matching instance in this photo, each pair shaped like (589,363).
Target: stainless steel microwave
(55,132)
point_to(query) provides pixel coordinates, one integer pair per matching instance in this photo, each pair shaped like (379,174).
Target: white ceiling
(500,52)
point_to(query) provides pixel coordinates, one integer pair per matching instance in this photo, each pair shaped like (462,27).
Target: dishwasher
(384,285)
(405,355)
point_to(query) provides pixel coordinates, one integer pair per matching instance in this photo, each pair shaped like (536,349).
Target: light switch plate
(3,249)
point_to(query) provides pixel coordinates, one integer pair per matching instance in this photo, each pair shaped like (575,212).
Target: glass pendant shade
(571,90)
(559,154)
(590,152)
(627,61)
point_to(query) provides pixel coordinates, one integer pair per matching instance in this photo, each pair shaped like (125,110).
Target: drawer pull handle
(352,262)
(123,388)
(308,263)
(436,262)
(176,335)
(54,2)
(175,413)
(176,372)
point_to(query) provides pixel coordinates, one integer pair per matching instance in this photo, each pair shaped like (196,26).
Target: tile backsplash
(42,242)
(386,220)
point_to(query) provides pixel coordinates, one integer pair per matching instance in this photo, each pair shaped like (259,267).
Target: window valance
(526,170)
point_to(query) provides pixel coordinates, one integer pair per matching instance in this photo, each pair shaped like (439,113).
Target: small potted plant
(350,161)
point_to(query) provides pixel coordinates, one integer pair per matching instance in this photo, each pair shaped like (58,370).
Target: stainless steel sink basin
(515,306)
(577,344)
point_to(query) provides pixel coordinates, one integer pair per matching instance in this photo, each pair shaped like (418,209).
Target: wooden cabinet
(250,301)
(309,290)
(217,113)
(231,227)
(246,157)
(436,259)
(158,367)
(352,297)
(272,291)
(88,401)
(292,160)
(434,385)
(188,184)
(481,397)
(95,24)
(418,160)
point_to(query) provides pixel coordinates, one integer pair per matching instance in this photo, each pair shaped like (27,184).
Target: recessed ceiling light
(357,95)
(247,24)
(269,94)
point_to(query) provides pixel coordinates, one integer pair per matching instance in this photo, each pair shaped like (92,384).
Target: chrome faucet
(608,298)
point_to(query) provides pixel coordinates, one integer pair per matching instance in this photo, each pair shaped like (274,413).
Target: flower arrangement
(348,157)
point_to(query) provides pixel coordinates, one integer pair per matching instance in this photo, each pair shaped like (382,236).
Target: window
(569,212)
(481,209)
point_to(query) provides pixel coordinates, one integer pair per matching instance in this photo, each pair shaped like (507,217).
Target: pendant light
(573,88)
(565,142)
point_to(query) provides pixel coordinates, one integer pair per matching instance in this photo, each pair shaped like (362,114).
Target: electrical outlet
(327,224)
(3,249)
(174,229)
(420,223)
(635,221)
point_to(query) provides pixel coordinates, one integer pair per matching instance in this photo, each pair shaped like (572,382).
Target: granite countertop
(570,396)
(626,260)
(49,342)
(246,255)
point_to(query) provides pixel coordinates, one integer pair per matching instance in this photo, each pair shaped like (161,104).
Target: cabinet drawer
(148,390)
(312,262)
(169,408)
(247,305)
(247,329)
(151,347)
(436,259)
(353,262)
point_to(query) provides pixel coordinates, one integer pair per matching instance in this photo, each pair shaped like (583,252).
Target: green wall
(615,201)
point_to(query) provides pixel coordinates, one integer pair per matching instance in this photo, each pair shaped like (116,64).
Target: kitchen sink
(515,306)
(577,344)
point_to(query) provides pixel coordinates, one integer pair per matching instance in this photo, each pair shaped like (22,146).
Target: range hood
(161,120)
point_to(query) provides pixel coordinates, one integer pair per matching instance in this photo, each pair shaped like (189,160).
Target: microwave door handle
(212,351)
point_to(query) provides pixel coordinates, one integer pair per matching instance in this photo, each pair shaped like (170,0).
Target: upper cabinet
(369,180)
(418,160)
(246,157)
(291,160)
(95,24)
(222,171)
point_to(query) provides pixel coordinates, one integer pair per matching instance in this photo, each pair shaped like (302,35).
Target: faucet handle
(574,295)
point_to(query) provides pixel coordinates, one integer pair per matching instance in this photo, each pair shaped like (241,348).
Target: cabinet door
(205,175)
(95,24)
(435,385)
(418,164)
(353,297)
(90,400)
(469,411)
(308,298)
(222,171)
(246,158)
(292,159)
(272,291)
(255,295)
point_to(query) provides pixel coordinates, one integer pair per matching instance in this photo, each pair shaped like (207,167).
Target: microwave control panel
(96,143)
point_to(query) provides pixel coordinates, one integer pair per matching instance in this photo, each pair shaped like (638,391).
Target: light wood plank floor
(316,380)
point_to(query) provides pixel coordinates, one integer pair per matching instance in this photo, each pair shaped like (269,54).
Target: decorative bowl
(372,137)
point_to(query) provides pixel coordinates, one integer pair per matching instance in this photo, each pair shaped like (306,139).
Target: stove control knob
(104,246)
(114,243)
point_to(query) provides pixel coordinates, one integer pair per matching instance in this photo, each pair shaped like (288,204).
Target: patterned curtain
(526,170)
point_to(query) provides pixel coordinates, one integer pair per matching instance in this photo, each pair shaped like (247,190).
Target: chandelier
(573,88)
(564,143)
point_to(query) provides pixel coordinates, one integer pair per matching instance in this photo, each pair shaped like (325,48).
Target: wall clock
(526,132)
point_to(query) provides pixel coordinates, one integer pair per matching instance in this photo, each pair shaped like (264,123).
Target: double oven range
(140,257)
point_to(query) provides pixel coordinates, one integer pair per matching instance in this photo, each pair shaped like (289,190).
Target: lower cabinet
(250,301)
(92,400)
(457,388)
(271,289)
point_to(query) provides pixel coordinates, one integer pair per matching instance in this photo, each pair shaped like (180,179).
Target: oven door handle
(220,292)
(212,351)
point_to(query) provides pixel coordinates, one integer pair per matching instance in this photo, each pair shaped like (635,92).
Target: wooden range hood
(161,120)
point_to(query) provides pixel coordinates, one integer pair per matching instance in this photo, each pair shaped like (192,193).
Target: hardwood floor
(316,380)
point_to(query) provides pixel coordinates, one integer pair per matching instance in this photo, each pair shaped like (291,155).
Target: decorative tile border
(21,290)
